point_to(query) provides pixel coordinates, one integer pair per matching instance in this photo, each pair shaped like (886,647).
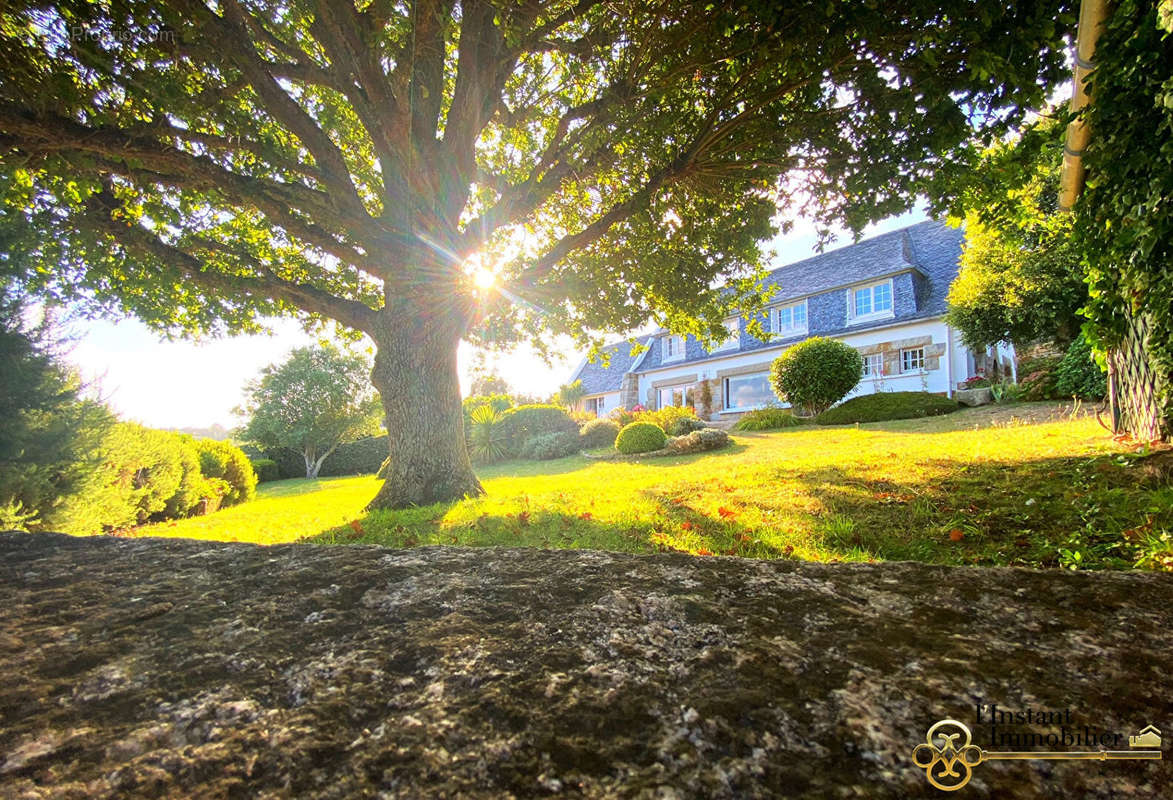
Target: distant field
(1029,484)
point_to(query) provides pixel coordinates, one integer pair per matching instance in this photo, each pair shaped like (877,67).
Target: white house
(885,296)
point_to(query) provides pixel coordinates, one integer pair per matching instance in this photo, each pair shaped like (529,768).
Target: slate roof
(928,252)
(597,379)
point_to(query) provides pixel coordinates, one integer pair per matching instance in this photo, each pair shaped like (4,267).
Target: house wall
(609,402)
(933,335)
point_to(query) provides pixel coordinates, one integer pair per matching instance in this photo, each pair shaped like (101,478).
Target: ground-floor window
(873,365)
(912,360)
(674,396)
(595,405)
(748,391)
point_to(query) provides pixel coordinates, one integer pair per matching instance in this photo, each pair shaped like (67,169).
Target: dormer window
(788,320)
(873,301)
(673,348)
(732,337)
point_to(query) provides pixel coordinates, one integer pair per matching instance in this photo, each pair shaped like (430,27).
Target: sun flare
(484,278)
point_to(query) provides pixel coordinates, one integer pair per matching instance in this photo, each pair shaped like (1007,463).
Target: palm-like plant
(486,437)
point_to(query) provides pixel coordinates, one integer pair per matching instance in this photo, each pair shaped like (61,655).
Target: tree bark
(416,376)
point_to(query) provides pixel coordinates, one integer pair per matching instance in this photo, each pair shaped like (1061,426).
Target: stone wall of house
(629,391)
(148,668)
(934,352)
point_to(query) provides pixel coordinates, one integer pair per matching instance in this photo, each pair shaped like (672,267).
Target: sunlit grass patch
(1025,485)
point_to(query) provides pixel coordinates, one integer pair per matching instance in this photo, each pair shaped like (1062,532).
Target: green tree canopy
(316,400)
(206,165)
(1022,277)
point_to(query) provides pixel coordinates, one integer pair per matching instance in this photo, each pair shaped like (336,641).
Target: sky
(181,384)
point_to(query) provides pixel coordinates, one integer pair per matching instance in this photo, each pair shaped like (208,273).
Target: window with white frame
(873,365)
(732,335)
(912,360)
(679,396)
(869,302)
(673,348)
(789,319)
(743,392)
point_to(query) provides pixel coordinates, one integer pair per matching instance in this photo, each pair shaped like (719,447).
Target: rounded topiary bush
(640,437)
(598,433)
(815,374)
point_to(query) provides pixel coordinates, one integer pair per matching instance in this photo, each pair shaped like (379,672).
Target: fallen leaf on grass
(726,513)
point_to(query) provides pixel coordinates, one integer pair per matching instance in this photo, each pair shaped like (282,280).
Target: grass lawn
(1028,484)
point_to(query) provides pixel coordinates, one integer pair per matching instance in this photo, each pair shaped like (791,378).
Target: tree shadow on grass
(678,528)
(1024,512)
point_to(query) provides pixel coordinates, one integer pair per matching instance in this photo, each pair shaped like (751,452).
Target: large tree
(204,166)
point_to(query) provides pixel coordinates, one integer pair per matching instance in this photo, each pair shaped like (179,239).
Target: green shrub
(598,433)
(1078,375)
(485,435)
(885,406)
(699,441)
(229,463)
(1037,377)
(766,419)
(193,487)
(815,374)
(140,471)
(550,445)
(522,423)
(640,437)
(266,469)
(674,420)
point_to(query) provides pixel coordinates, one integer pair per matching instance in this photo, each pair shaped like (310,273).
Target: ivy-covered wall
(1125,216)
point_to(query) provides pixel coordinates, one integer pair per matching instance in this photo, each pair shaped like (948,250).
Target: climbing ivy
(1124,220)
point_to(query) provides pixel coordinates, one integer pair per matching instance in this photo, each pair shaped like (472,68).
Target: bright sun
(480,271)
(484,278)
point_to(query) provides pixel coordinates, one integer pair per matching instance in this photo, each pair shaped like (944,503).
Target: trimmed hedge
(640,437)
(143,475)
(598,433)
(520,424)
(883,406)
(266,469)
(360,457)
(767,419)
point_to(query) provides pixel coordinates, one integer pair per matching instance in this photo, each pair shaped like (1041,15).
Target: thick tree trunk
(415,373)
